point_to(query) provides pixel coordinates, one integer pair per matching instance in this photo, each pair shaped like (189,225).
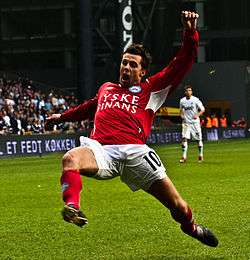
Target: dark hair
(188,86)
(139,49)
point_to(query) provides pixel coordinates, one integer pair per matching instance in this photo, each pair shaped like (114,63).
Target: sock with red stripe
(185,219)
(71,183)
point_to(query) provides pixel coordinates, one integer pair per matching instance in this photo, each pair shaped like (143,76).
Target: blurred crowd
(215,122)
(23,108)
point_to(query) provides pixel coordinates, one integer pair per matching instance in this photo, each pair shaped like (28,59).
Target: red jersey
(125,115)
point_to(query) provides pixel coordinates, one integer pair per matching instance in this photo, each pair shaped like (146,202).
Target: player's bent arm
(181,113)
(202,110)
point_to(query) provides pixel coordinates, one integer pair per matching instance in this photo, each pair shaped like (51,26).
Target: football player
(124,112)
(191,108)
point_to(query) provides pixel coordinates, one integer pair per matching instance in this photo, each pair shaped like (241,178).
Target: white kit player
(191,108)
(124,113)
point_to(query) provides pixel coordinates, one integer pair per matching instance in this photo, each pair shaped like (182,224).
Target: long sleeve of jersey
(84,111)
(172,75)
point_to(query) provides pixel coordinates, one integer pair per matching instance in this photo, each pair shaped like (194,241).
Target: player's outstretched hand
(189,20)
(51,121)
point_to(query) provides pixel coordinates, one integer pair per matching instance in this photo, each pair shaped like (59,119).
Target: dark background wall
(222,86)
(39,39)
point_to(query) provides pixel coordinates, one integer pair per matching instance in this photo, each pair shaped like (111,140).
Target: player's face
(131,71)
(188,92)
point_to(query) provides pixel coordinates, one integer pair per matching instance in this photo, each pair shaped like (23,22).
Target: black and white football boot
(203,234)
(73,215)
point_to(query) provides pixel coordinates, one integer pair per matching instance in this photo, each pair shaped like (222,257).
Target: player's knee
(82,160)
(184,143)
(200,143)
(69,161)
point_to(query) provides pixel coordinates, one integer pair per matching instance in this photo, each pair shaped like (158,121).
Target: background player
(191,108)
(124,113)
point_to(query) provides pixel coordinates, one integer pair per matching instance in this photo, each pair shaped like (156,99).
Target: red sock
(71,187)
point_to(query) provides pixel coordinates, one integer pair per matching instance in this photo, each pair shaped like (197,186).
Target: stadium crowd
(23,108)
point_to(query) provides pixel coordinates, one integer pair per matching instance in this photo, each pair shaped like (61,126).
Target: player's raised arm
(173,74)
(189,20)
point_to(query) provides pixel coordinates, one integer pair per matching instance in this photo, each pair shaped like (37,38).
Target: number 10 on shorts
(153,160)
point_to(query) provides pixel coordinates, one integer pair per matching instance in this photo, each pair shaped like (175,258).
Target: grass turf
(122,224)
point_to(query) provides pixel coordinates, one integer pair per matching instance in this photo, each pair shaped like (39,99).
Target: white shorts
(192,131)
(137,165)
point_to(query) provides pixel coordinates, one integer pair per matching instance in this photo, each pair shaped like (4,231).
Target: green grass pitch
(123,224)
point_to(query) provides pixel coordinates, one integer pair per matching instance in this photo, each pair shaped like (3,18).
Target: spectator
(61,100)
(54,100)
(6,118)
(4,130)
(36,127)
(239,123)
(223,121)
(28,130)
(14,123)
(2,103)
(215,121)
(208,122)
(2,123)
(242,123)
(20,129)
(48,105)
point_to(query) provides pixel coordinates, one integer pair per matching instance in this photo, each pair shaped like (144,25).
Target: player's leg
(90,159)
(200,151)
(143,169)
(166,193)
(77,161)
(184,143)
(197,134)
(184,147)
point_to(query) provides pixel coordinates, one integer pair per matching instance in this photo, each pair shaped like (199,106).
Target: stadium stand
(24,108)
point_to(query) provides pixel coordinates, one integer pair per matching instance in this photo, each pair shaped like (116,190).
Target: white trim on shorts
(98,151)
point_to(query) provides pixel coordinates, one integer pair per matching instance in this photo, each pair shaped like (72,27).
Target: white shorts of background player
(192,131)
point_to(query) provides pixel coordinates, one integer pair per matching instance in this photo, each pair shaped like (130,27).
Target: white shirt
(6,120)
(190,108)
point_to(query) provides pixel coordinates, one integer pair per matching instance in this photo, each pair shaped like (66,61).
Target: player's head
(134,65)
(188,91)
